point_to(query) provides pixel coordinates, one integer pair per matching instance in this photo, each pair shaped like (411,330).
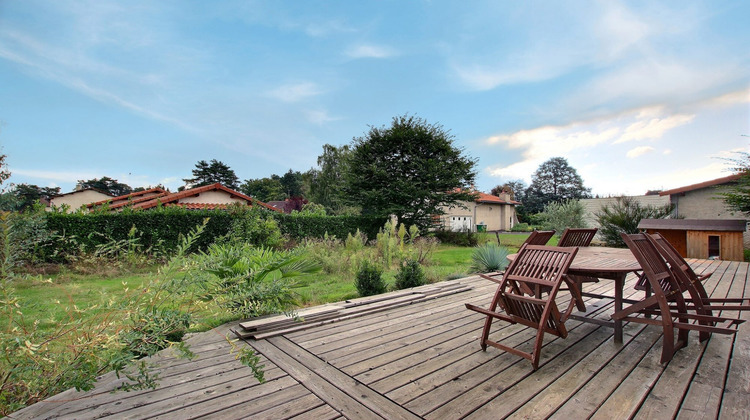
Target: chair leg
(667,350)
(485,333)
(535,355)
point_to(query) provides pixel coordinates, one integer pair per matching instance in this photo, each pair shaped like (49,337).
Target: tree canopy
(107,185)
(410,169)
(327,182)
(554,180)
(264,189)
(29,194)
(207,173)
(737,196)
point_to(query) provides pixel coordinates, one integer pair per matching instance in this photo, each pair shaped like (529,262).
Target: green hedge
(163,227)
(155,228)
(301,226)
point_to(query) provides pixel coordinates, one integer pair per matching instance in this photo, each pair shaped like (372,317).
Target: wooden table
(605,263)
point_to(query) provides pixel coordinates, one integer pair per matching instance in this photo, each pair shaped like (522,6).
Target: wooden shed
(701,238)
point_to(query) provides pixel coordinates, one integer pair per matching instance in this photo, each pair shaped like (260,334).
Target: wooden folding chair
(665,289)
(534,266)
(578,237)
(539,237)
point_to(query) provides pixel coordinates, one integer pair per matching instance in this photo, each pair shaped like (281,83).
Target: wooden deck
(422,360)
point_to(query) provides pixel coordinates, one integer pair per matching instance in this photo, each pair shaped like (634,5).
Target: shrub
(489,257)
(409,275)
(249,281)
(566,214)
(457,238)
(521,227)
(254,227)
(623,216)
(369,280)
(301,225)
(155,330)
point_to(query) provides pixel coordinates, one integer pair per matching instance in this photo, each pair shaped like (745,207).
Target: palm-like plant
(252,281)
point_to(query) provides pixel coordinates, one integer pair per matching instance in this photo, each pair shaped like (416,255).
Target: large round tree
(410,169)
(554,180)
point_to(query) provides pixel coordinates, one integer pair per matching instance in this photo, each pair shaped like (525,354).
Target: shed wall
(731,247)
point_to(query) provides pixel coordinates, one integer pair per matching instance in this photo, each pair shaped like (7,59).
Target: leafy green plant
(249,281)
(564,214)
(89,340)
(369,280)
(256,227)
(521,227)
(489,258)
(457,238)
(623,216)
(409,275)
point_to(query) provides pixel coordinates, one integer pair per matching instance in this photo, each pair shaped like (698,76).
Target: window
(714,246)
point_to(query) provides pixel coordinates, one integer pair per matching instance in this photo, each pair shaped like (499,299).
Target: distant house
(129,199)
(702,201)
(490,212)
(207,197)
(72,201)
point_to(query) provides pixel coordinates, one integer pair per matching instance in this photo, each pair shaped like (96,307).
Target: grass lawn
(48,298)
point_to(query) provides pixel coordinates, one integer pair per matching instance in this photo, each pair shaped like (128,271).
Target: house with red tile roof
(129,199)
(491,212)
(74,200)
(207,197)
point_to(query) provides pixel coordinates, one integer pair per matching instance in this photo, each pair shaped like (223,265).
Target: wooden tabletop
(602,261)
(597,259)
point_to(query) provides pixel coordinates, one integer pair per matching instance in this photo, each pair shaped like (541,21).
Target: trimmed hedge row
(163,227)
(158,228)
(301,226)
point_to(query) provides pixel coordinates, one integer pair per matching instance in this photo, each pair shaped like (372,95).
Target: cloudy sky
(636,95)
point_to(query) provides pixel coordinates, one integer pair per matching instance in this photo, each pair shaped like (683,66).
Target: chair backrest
(539,237)
(684,275)
(535,266)
(655,269)
(673,256)
(577,237)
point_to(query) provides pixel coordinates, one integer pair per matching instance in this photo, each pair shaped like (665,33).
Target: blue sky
(636,95)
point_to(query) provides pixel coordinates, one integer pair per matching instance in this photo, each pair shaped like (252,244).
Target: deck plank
(423,360)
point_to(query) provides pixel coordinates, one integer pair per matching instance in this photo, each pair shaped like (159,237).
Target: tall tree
(515,188)
(264,189)
(106,184)
(4,172)
(28,194)
(410,169)
(554,180)
(207,173)
(737,196)
(327,182)
(292,183)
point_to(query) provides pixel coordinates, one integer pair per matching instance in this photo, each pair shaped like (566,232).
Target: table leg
(619,286)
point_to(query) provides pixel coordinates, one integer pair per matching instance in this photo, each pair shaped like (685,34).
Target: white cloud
(653,128)
(639,151)
(320,117)
(371,51)
(50,176)
(296,92)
